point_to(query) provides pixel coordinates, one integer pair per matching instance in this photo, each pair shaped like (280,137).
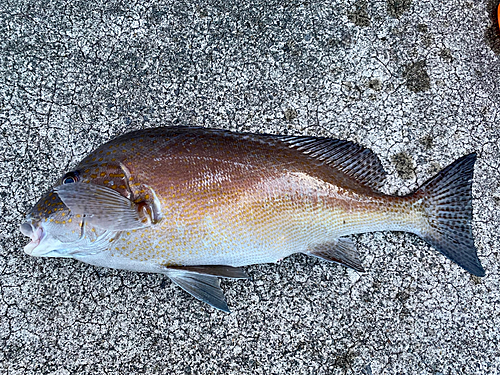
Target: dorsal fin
(352,159)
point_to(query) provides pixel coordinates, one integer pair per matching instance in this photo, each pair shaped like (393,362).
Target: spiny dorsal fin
(352,159)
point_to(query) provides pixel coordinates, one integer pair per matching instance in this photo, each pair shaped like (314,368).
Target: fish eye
(70,177)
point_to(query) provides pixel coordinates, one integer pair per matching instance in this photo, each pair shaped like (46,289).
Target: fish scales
(250,203)
(187,201)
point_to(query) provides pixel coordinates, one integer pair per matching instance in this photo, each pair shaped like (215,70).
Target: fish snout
(35,233)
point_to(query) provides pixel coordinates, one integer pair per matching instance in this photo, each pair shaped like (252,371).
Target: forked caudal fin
(447,204)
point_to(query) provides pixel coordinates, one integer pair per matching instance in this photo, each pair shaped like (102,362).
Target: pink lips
(35,235)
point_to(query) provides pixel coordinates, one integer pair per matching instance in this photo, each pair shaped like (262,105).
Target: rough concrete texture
(416,81)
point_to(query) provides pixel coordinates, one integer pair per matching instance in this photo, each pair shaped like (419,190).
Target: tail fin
(447,203)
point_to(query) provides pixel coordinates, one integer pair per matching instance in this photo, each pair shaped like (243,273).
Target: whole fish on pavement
(196,204)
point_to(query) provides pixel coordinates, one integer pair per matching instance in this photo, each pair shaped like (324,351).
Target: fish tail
(446,204)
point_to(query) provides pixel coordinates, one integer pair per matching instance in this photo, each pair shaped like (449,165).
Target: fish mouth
(36,235)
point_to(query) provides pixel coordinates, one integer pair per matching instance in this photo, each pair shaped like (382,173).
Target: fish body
(197,204)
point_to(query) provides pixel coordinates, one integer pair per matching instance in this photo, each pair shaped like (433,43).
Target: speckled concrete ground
(416,81)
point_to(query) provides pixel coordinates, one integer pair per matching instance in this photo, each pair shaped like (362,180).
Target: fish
(198,204)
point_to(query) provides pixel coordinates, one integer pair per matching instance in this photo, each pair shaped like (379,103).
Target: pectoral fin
(342,251)
(102,206)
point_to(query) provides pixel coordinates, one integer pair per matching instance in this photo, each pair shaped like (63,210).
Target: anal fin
(342,251)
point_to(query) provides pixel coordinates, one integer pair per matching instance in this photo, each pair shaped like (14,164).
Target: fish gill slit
(82,230)
(127,174)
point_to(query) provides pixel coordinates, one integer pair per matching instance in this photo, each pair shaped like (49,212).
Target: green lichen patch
(427,141)
(404,165)
(417,78)
(290,114)
(359,14)
(396,8)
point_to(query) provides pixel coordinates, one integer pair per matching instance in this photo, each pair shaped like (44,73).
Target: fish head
(86,209)
(56,231)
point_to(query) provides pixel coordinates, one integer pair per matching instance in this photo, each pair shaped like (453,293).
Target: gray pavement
(416,81)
